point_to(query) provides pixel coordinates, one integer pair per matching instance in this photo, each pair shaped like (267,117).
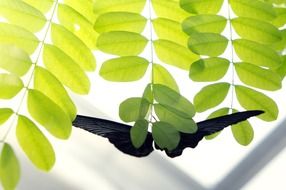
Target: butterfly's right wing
(118,134)
(209,127)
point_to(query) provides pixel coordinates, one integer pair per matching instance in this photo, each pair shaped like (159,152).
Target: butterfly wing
(118,134)
(209,127)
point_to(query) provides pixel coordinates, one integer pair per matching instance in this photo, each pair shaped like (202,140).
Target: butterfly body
(119,134)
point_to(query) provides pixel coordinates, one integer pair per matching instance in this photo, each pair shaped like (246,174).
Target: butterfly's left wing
(118,134)
(209,127)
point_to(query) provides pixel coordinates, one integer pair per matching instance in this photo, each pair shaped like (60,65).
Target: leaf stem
(232,53)
(151,56)
(26,88)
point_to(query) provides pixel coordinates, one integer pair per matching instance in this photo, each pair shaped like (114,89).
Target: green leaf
(243,133)
(202,6)
(148,94)
(84,9)
(211,96)
(280,19)
(121,43)
(210,44)
(169,9)
(133,109)
(12,10)
(65,69)
(49,114)
(5,114)
(43,5)
(253,9)
(170,30)
(10,85)
(217,113)
(78,25)
(250,99)
(174,54)
(124,69)
(257,54)
(138,133)
(210,69)
(258,77)
(280,45)
(34,143)
(169,97)
(12,34)
(73,46)
(135,6)
(45,81)
(204,23)
(120,21)
(256,30)
(162,76)
(14,59)
(281,70)
(278,2)
(9,168)
(165,135)
(174,117)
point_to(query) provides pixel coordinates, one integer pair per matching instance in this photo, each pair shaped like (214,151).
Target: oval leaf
(256,30)
(121,43)
(243,133)
(210,44)
(12,34)
(85,9)
(9,168)
(77,24)
(170,30)
(202,6)
(34,143)
(169,97)
(45,81)
(256,53)
(49,114)
(211,96)
(253,9)
(210,69)
(14,59)
(10,86)
(165,135)
(73,46)
(258,77)
(65,69)
(250,99)
(133,109)
(12,10)
(138,133)
(162,76)
(169,9)
(176,118)
(124,69)
(5,114)
(204,23)
(120,21)
(174,54)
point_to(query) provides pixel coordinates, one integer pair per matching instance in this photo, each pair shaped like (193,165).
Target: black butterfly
(118,133)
